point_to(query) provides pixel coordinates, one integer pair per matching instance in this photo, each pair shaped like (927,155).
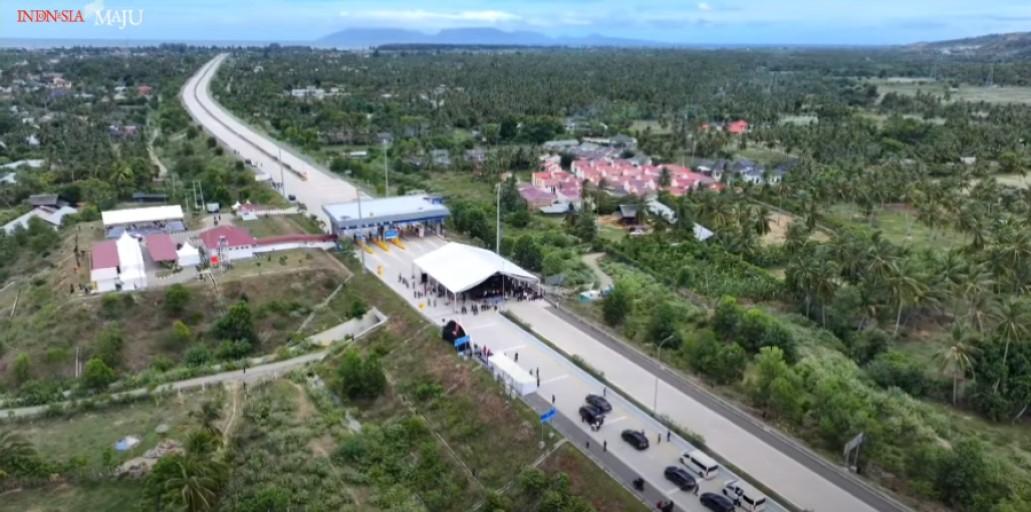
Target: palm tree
(1012,318)
(905,287)
(762,221)
(195,482)
(957,359)
(14,451)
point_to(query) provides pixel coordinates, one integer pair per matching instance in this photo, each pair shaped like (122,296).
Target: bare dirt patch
(779,222)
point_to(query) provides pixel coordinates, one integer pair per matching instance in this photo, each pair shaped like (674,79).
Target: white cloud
(704,6)
(93,7)
(431,17)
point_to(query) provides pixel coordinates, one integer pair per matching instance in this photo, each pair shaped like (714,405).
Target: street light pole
(282,175)
(362,248)
(386,170)
(655,399)
(497,243)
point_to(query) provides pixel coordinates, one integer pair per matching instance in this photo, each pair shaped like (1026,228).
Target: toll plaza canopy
(460,267)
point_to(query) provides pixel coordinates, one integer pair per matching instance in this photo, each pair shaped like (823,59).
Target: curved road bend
(789,468)
(320,187)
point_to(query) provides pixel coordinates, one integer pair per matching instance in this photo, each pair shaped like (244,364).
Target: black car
(716,502)
(680,477)
(635,438)
(591,414)
(599,402)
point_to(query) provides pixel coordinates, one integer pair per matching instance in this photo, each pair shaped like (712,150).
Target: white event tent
(460,268)
(512,374)
(130,263)
(187,256)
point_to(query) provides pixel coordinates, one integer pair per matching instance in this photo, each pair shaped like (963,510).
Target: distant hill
(371,37)
(1015,45)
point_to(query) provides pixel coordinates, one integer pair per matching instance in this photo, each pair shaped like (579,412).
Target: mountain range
(370,37)
(993,46)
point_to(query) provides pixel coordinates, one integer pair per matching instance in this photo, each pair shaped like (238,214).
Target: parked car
(591,414)
(716,502)
(599,402)
(635,438)
(680,477)
(744,496)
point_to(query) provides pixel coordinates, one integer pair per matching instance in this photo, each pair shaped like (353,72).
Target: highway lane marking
(614,420)
(672,491)
(554,379)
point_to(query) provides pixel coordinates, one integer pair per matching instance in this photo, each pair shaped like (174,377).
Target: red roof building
(160,247)
(234,237)
(737,127)
(105,255)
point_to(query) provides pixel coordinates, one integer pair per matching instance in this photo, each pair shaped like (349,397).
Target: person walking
(659,439)
(604,446)
(668,435)
(552,399)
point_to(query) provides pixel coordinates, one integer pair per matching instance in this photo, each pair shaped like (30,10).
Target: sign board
(853,444)
(390,234)
(548,415)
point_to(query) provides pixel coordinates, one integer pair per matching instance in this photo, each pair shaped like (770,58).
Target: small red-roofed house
(104,266)
(233,243)
(737,127)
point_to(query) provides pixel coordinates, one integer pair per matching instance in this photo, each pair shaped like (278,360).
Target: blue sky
(708,22)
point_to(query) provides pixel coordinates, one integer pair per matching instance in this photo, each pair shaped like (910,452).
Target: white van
(744,496)
(700,464)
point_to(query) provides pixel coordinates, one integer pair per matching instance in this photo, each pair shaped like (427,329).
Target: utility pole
(282,175)
(386,170)
(361,249)
(497,243)
(655,399)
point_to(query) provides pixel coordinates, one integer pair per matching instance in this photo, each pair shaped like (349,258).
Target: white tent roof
(130,257)
(148,214)
(187,250)
(461,267)
(519,378)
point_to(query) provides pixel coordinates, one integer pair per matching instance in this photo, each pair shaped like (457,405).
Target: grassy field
(48,326)
(1014,180)
(642,124)
(107,495)
(588,480)
(759,154)
(899,226)
(91,433)
(275,225)
(998,94)
(801,120)
(86,437)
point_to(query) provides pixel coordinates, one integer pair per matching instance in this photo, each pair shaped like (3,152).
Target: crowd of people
(481,299)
